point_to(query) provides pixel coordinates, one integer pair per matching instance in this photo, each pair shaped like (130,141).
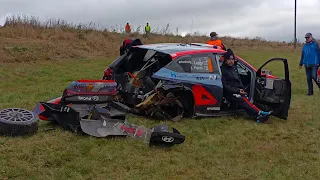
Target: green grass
(215,148)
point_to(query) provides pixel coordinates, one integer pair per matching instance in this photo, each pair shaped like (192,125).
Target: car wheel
(17,122)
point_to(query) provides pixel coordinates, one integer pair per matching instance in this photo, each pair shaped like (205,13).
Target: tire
(17,122)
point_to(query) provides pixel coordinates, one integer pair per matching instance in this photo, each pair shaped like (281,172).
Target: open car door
(273,93)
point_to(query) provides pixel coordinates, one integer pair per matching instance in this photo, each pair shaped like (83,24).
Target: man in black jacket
(233,89)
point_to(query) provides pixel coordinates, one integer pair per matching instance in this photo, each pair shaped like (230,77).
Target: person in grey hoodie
(310,58)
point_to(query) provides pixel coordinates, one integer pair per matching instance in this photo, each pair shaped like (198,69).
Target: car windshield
(149,54)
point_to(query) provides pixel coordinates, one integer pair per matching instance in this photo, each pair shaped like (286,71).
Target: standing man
(147,29)
(310,58)
(233,89)
(128,28)
(215,41)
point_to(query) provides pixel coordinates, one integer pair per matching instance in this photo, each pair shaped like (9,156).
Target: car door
(271,92)
(201,74)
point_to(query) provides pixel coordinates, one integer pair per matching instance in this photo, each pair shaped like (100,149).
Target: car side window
(197,63)
(241,69)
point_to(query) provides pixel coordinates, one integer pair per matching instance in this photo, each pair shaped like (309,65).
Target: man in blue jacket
(310,58)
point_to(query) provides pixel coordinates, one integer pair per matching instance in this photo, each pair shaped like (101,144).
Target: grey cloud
(272,19)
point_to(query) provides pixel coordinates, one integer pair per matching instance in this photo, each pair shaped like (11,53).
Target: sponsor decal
(77,85)
(88,98)
(95,98)
(185,62)
(213,108)
(177,75)
(84,98)
(93,87)
(89,87)
(213,77)
(65,109)
(173,75)
(97,87)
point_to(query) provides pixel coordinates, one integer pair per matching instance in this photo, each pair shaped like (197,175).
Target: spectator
(128,28)
(310,58)
(147,29)
(215,41)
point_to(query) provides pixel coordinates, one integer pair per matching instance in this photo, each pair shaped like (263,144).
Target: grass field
(215,148)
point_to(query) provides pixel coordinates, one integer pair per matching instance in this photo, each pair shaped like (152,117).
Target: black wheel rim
(16,115)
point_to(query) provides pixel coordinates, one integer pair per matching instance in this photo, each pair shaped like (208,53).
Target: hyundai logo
(167,138)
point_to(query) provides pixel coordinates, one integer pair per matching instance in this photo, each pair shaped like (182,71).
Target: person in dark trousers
(310,58)
(128,28)
(147,29)
(233,89)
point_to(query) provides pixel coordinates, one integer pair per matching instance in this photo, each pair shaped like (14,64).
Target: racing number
(202,96)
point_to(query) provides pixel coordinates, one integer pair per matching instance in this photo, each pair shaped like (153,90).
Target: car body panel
(94,111)
(274,93)
(206,88)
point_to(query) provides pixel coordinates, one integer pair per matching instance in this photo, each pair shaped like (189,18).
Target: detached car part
(88,106)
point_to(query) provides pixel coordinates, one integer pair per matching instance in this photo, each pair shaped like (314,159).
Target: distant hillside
(27,39)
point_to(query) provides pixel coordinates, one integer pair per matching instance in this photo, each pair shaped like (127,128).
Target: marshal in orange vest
(216,42)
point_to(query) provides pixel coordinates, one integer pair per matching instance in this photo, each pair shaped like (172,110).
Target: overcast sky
(270,19)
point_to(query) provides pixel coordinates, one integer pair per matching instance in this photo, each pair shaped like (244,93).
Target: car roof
(179,48)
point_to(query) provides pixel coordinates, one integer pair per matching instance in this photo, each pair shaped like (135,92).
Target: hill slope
(29,40)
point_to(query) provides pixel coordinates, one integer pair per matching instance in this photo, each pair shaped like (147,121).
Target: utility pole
(192,27)
(295,24)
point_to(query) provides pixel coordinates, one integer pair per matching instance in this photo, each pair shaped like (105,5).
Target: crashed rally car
(171,81)
(90,107)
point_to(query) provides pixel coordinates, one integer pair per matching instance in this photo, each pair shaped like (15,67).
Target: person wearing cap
(310,58)
(233,89)
(215,41)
